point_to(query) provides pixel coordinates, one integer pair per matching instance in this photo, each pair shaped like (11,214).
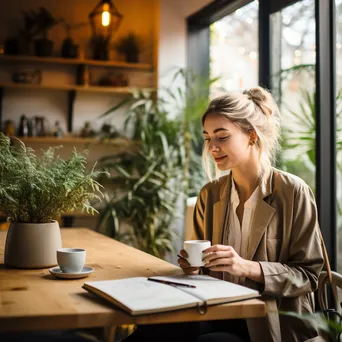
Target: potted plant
(44,21)
(34,192)
(69,49)
(148,181)
(99,45)
(129,46)
(165,169)
(21,43)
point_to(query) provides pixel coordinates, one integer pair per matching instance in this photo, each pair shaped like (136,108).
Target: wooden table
(35,300)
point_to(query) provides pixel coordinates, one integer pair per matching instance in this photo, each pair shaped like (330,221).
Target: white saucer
(57,272)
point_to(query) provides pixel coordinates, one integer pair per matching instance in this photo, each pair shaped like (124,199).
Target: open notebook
(140,295)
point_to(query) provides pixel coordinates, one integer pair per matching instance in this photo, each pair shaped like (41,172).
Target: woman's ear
(253,137)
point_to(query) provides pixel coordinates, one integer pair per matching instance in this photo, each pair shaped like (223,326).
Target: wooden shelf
(75,61)
(81,68)
(94,89)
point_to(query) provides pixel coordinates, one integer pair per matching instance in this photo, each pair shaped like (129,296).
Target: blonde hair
(254,109)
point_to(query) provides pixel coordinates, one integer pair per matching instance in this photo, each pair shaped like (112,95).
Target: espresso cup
(194,249)
(71,260)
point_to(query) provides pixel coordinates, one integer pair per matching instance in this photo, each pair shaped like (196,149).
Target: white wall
(173,35)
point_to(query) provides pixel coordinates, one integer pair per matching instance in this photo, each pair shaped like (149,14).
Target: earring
(251,142)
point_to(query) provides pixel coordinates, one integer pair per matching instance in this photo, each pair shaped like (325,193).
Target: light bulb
(105,18)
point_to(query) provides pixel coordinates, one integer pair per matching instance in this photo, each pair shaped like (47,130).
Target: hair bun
(256,94)
(261,98)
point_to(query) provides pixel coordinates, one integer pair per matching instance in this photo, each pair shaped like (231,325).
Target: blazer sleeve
(299,275)
(198,219)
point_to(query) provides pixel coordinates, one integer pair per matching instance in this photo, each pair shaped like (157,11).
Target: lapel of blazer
(261,219)
(221,210)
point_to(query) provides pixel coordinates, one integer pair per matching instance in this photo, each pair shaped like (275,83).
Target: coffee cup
(71,260)
(194,249)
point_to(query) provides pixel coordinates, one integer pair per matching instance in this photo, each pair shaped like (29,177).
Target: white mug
(71,260)
(194,249)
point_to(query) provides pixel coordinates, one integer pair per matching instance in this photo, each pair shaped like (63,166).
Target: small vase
(12,46)
(100,48)
(32,245)
(69,49)
(43,47)
(132,58)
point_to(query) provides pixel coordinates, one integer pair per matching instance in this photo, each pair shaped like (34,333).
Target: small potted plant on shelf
(69,49)
(44,21)
(34,192)
(99,45)
(129,46)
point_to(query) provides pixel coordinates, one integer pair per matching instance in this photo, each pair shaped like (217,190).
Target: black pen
(180,256)
(171,283)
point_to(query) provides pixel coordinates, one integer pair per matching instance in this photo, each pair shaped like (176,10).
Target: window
(219,37)
(293,81)
(234,50)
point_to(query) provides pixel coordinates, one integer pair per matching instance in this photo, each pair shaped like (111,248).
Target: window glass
(293,81)
(234,50)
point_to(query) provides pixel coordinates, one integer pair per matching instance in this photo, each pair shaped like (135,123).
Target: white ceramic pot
(32,245)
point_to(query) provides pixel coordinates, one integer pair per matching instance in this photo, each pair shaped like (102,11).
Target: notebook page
(139,294)
(211,289)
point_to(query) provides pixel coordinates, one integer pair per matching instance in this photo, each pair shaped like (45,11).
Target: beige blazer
(284,239)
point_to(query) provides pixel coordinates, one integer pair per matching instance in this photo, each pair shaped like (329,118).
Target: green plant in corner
(188,98)
(150,184)
(39,190)
(146,183)
(330,328)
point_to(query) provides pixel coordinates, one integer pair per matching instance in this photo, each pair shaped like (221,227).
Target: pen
(179,256)
(172,283)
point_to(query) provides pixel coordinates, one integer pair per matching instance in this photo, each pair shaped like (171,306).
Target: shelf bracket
(71,100)
(1,98)
(82,75)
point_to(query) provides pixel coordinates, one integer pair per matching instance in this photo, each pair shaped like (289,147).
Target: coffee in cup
(194,249)
(71,260)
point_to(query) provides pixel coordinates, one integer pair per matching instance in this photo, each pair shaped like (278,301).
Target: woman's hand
(225,259)
(185,266)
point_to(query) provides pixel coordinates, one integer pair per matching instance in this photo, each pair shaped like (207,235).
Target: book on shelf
(142,295)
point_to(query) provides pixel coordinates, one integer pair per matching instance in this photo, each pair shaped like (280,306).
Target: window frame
(198,58)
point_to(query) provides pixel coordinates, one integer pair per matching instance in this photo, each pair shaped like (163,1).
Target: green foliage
(150,183)
(188,103)
(305,119)
(146,183)
(329,327)
(38,190)
(39,22)
(299,138)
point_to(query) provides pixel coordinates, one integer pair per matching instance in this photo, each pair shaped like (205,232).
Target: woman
(262,222)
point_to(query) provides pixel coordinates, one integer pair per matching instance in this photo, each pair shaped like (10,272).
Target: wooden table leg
(109,333)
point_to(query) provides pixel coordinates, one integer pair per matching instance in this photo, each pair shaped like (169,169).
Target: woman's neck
(246,180)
